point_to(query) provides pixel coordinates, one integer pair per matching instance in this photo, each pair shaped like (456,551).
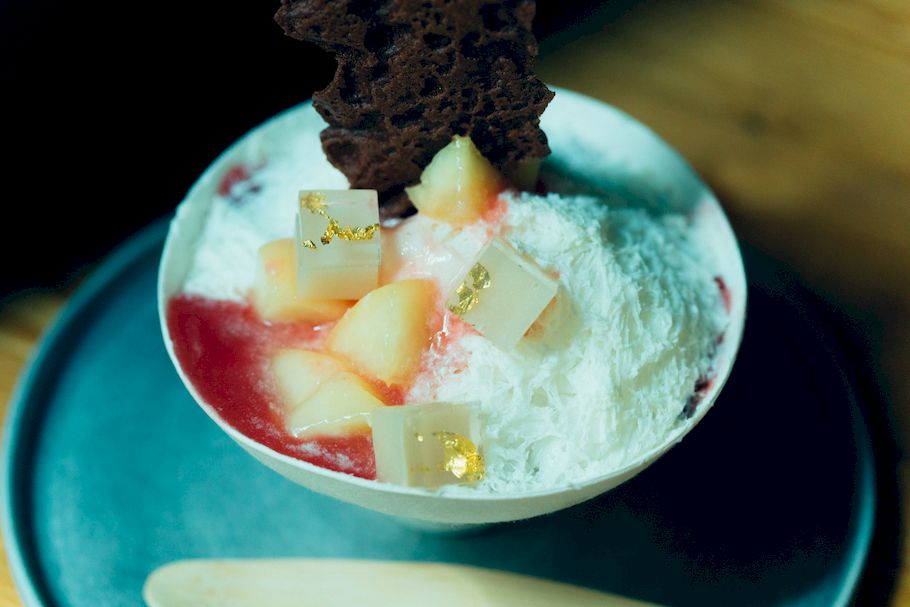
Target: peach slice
(275,296)
(386,332)
(321,395)
(458,185)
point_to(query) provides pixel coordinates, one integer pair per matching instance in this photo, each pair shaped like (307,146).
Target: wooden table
(797,112)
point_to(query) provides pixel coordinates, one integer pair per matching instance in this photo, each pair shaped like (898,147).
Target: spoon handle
(330,583)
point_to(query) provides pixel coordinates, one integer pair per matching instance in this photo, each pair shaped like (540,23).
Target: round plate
(112,470)
(631,169)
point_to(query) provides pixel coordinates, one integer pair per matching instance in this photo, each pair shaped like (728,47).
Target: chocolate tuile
(411,74)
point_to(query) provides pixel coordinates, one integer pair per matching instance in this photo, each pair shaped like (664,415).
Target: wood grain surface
(796,112)
(22,321)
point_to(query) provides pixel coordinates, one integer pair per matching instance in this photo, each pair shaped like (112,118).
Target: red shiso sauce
(224,349)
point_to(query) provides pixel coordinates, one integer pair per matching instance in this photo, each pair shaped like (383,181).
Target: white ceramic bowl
(600,148)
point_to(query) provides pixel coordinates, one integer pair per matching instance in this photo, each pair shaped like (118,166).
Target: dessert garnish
(413,73)
(315,202)
(377,345)
(321,394)
(346,268)
(458,185)
(275,294)
(502,294)
(467,294)
(462,458)
(427,445)
(386,333)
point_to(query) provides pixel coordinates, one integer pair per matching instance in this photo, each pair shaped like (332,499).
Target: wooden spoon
(354,583)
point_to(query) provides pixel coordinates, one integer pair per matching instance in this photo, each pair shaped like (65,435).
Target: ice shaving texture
(605,377)
(600,382)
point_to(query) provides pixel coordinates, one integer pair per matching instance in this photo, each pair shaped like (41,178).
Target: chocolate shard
(411,74)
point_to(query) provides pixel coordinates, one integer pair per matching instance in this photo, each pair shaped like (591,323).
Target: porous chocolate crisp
(411,74)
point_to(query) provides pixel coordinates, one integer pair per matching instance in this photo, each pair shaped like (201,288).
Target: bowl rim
(732,335)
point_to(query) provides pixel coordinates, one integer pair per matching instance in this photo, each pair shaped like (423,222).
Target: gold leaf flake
(462,458)
(468,292)
(315,202)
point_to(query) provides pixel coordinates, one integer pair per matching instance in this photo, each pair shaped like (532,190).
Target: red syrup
(238,183)
(236,174)
(724,293)
(224,348)
(703,384)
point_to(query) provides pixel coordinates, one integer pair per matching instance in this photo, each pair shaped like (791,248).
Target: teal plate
(111,470)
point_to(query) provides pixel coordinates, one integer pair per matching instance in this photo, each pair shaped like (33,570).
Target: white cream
(606,379)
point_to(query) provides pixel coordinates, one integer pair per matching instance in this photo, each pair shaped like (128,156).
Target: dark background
(110,112)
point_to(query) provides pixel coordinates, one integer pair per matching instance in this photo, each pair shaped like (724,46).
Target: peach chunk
(386,332)
(458,185)
(321,395)
(275,295)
